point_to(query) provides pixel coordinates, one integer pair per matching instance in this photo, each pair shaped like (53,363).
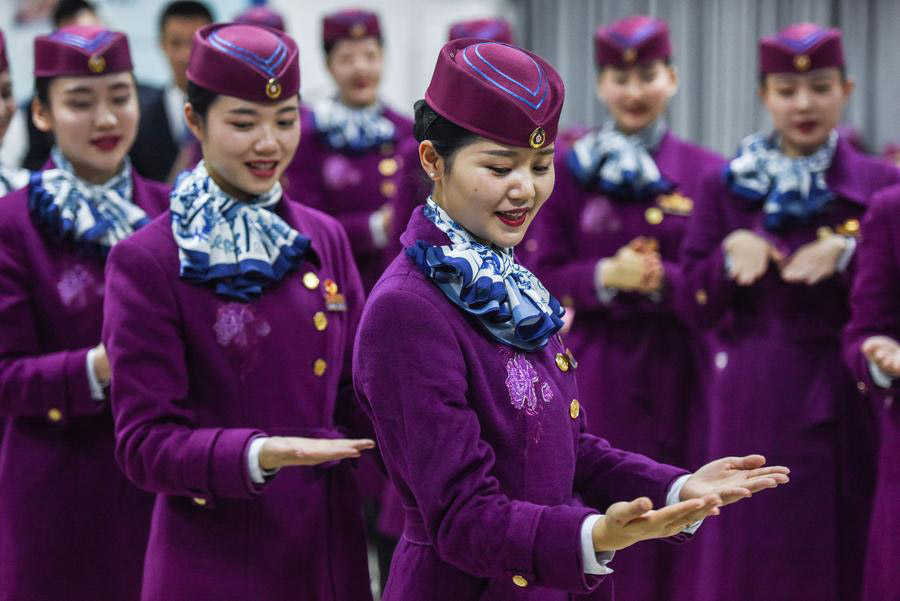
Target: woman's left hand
(815,261)
(734,478)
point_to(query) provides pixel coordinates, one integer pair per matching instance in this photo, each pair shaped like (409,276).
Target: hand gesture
(630,522)
(883,352)
(101,364)
(815,261)
(634,267)
(733,478)
(283,451)
(749,255)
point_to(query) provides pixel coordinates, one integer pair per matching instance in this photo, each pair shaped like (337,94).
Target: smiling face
(356,67)
(805,107)
(638,95)
(492,190)
(247,145)
(94,121)
(7,103)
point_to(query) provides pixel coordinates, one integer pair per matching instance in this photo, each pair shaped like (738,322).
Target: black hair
(762,76)
(446,137)
(329,46)
(667,62)
(66,9)
(200,99)
(184,8)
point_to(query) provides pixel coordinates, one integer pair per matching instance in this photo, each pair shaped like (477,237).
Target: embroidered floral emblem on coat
(526,391)
(78,288)
(236,325)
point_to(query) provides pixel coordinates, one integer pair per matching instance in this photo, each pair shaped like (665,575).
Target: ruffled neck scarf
(792,190)
(506,299)
(620,165)
(352,129)
(238,247)
(92,217)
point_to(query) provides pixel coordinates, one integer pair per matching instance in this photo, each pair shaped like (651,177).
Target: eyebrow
(255,113)
(78,90)
(513,153)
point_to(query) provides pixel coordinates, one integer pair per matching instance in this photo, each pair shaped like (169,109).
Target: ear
(194,121)
(673,73)
(849,86)
(41,116)
(430,160)
(598,87)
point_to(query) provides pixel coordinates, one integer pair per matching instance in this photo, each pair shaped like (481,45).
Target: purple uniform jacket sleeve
(875,300)
(158,445)
(706,289)
(34,383)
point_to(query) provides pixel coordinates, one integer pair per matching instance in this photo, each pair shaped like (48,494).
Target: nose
(267,144)
(106,116)
(632,86)
(522,189)
(803,99)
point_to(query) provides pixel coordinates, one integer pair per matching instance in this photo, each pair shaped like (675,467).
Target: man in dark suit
(163,144)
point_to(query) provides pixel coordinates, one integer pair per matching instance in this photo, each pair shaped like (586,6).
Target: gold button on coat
(701,297)
(562,362)
(574,409)
(861,386)
(388,167)
(388,189)
(54,415)
(319,367)
(199,501)
(520,581)
(320,321)
(310,280)
(653,215)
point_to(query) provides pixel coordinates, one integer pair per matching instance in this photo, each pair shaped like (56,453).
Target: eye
(121,100)
(541,168)
(242,125)
(500,170)
(78,105)
(287,123)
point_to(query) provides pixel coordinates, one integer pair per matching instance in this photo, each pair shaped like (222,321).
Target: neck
(354,105)
(226,186)
(93,176)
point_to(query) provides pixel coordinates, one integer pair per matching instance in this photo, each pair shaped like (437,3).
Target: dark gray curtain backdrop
(714,49)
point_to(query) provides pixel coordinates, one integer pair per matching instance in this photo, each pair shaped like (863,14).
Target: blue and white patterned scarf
(508,301)
(352,129)
(237,246)
(620,165)
(92,217)
(792,189)
(12,179)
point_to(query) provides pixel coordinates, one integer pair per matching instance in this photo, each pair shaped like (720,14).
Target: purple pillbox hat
(632,41)
(497,91)
(497,30)
(350,24)
(260,15)
(79,50)
(4,63)
(245,61)
(799,48)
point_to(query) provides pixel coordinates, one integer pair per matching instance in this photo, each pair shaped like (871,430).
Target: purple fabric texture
(634,40)
(497,30)
(79,50)
(350,24)
(71,525)
(799,48)
(197,378)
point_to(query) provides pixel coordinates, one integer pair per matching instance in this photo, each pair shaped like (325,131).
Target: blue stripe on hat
(534,92)
(635,38)
(88,44)
(805,42)
(268,65)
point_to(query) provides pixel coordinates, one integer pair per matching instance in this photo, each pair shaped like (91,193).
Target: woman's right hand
(284,451)
(629,522)
(101,364)
(632,268)
(884,352)
(749,255)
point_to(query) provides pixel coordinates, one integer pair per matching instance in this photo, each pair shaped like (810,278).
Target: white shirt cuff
(257,474)
(97,387)
(674,496)
(844,260)
(594,563)
(376,228)
(604,294)
(880,378)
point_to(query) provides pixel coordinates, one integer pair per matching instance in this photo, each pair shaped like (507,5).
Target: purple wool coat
(640,365)
(486,446)
(350,187)
(875,311)
(71,526)
(197,377)
(780,388)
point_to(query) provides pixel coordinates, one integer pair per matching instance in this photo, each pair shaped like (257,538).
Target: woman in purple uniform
(229,322)
(473,396)
(769,258)
(873,353)
(350,160)
(71,525)
(608,243)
